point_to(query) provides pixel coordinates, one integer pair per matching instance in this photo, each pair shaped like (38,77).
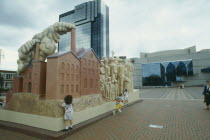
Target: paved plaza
(180,113)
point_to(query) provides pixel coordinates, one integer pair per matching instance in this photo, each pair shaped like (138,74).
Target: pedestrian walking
(206,93)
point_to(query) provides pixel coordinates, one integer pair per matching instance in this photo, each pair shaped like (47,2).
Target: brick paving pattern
(10,135)
(180,112)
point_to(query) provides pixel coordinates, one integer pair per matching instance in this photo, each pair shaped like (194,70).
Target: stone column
(73,40)
(38,75)
(36,58)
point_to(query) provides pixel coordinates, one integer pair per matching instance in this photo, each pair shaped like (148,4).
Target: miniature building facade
(64,73)
(17,87)
(90,75)
(27,80)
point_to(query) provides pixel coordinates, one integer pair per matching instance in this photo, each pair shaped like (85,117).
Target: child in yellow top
(118,100)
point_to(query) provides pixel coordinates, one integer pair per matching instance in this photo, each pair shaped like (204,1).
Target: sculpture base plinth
(57,124)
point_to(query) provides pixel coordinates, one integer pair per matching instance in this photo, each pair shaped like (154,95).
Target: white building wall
(200,60)
(137,74)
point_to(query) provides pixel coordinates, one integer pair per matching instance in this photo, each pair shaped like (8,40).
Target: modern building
(172,68)
(92,27)
(6,78)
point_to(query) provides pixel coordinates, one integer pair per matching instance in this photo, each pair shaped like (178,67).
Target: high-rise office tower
(92,27)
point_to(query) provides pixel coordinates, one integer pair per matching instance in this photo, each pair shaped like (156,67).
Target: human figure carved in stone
(102,87)
(106,85)
(112,90)
(116,60)
(102,71)
(129,74)
(107,68)
(120,75)
(47,40)
(113,69)
(127,80)
(116,88)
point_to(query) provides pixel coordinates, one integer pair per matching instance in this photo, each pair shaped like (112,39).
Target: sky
(135,25)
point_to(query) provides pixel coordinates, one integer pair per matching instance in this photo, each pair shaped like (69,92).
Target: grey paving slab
(180,112)
(173,93)
(181,120)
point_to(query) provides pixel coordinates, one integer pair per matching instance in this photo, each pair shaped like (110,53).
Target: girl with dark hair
(126,96)
(68,115)
(206,93)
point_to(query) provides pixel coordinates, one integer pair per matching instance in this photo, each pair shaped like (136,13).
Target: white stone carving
(47,39)
(115,76)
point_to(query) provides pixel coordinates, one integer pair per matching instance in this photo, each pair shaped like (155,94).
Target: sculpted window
(72,88)
(77,88)
(85,61)
(67,77)
(30,75)
(67,89)
(62,76)
(62,89)
(72,77)
(92,72)
(72,67)
(68,67)
(77,77)
(91,83)
(85,83)
(29,87)
(62,65)
(89,71)
(96,83)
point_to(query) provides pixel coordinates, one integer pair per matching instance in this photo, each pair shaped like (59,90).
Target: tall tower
(92,27)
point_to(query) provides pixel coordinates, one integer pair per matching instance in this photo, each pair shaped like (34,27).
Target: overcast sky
(135,25)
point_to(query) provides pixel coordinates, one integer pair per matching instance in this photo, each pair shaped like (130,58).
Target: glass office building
(161,74)
(92,27)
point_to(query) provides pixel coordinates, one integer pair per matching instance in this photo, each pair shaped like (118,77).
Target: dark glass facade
(92,27)
(161,74)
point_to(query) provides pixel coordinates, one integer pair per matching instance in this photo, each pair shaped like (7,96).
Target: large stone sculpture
(47,39)
(115,77)
(129,74)
(107,68)
(113,69)
(102,71)
(121,75)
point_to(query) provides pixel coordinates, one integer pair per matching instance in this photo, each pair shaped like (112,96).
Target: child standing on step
(126,96)
(118,104)
(68,115)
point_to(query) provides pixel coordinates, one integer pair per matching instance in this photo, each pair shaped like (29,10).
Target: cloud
(8,62)
(149,26)
(135,26)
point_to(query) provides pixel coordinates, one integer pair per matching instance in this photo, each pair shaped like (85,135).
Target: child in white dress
(68,115)
(126,96)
